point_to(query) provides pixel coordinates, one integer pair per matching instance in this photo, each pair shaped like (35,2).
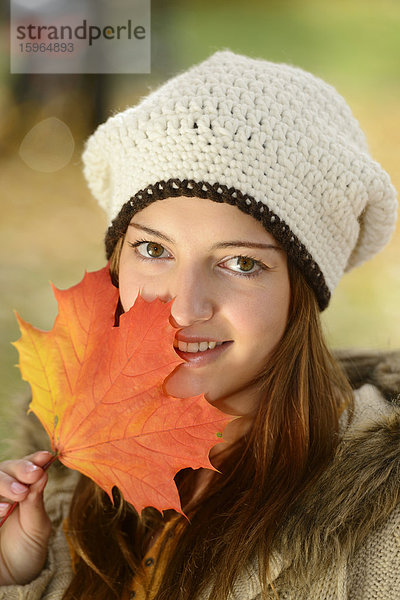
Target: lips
(202,358)
(192,346)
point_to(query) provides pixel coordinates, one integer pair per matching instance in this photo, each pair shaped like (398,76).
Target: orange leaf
(98,391)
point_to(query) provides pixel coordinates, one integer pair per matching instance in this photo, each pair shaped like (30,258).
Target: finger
(33,516)
(29,464)
(11,489)
(4,506)
(40,458)
(16,476)
(22,470)
(37,488)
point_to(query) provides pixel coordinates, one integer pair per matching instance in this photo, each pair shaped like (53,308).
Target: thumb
(33,516)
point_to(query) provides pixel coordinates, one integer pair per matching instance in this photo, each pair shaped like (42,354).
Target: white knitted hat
(277,142)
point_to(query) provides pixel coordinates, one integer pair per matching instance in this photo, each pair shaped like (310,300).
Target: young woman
(244,190)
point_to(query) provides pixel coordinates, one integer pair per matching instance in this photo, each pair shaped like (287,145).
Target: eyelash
(254,274)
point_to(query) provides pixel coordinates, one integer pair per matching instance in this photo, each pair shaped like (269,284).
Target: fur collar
(354,496)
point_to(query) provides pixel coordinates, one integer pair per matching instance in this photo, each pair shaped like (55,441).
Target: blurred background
(51,228)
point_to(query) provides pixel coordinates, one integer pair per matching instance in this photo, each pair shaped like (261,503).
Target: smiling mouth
(195,347)
(203,357)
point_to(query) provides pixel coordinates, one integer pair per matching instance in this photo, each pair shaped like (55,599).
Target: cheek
(263,318)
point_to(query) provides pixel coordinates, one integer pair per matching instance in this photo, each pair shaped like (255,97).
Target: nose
(193,298)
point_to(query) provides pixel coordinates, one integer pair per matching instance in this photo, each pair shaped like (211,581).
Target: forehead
(190,216)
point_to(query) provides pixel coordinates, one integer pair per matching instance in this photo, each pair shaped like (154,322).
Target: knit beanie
(271,139)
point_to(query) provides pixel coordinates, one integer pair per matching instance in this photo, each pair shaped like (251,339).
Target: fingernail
(4,508)
(30,467)
(18,488)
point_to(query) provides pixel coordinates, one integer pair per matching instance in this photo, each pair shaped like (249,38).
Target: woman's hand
(24,536)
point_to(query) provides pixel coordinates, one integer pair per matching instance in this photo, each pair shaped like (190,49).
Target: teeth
(195,346)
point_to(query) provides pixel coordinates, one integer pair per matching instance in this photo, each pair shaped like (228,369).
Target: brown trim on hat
(221,193)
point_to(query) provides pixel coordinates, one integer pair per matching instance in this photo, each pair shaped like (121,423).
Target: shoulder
(367,463)
(352,512)
(369,447)
(361,486)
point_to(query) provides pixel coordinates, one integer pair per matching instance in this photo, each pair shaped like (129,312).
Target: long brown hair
(292,440)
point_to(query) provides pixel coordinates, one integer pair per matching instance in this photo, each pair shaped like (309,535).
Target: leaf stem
(14,506)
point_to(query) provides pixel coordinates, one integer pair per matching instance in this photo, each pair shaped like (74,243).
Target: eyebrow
(227,244)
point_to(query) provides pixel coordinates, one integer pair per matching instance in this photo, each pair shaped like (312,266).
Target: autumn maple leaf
(98,391)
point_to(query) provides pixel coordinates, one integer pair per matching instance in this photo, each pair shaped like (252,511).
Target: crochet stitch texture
(258,134)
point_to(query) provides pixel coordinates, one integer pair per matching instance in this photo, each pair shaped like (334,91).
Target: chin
(182,385)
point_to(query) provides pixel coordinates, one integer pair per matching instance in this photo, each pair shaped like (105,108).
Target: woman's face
(230,282)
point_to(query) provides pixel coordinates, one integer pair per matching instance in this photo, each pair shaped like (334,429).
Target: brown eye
(248,266)
(148,250)
(246,263)
(154,250)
